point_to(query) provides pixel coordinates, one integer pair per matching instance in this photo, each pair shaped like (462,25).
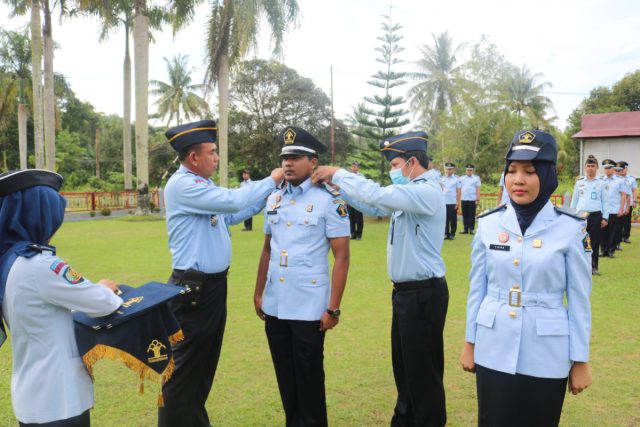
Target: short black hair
(421,156)
(184,153)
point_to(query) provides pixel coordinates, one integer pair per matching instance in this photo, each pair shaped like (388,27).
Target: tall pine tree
(381,116)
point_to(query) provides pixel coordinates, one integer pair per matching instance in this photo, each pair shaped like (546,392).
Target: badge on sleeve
(72,276)
(586,242)
(342,210)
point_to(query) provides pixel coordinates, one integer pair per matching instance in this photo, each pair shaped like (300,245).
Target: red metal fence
(95,201)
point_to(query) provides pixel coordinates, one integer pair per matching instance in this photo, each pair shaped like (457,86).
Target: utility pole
(333,124)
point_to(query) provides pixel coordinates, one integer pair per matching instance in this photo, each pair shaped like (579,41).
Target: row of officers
(524,344)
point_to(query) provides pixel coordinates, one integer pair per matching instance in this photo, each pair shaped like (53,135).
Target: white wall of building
(616,149)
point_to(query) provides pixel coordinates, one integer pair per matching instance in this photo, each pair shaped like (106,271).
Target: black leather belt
(417,284)
(204,277)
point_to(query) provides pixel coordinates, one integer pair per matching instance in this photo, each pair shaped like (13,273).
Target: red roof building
(613,136)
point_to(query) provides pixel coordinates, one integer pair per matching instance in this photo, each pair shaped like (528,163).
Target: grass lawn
(359,380)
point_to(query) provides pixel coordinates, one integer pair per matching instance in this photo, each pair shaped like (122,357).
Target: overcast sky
(576,44)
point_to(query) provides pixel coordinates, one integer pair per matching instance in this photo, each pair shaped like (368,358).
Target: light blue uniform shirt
(301,220)
(632,184)
(552,260)
(627,189)
(614,185)
(418,216)
(590,196)
(449,185)
(199,214)
(469,185)
(49,382)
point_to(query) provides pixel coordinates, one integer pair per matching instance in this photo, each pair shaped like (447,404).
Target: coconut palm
(15,53)
(522,93)
(115,15)
(179,95)
(438,77)
(232,30)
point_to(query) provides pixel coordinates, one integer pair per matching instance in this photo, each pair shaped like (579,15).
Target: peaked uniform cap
(591,160)
(183,136)
(14,181)
(608,163)
(533,145)
(298,142)
(450,165)
(469,166)
(620,165)
(397,145)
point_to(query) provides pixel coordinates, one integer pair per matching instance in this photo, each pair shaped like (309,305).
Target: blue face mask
(396,176)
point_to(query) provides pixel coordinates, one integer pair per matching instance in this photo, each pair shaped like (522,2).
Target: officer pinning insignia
(342,210)
(214,220)
(586,242)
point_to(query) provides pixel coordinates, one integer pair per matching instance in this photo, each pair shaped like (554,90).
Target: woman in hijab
(49,385)
(522,342)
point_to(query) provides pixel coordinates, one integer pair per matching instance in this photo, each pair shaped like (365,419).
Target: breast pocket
(273,219)
(313,280)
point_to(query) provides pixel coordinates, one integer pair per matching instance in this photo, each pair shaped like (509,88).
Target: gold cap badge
(526,138)
(289,137)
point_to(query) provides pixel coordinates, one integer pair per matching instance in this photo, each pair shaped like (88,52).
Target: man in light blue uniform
(470,197)
(294,293)
(590,196)
(503,194)
(633,185)
(615,187)
(451,187)
(199,214)
(626,206)
(420,295)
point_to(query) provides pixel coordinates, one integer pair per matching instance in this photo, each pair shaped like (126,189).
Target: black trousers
(82,420)
(609,234)
(452,221)
(356,220)
(418,355)
(468,214)
(297,351)
(595,234)
(196,358)
(626,226)
(248,224)
(506,400)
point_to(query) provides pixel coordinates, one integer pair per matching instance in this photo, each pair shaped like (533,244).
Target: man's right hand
(277,175)
(257,302)
(111,285)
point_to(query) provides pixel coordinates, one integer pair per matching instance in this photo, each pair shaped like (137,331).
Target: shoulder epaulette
(581,215)
(419,180)
(490,211)
(331,190)
(581,178)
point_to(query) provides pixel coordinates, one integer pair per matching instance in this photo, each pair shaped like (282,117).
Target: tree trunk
(126,120)
(36,83)
(141,69)
(22,135)
(97,141)
(223,120)
(49,96)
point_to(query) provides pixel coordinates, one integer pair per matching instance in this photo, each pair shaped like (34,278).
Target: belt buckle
(515,296)
(284,258)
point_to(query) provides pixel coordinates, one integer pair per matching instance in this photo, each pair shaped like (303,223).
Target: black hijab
(548,177)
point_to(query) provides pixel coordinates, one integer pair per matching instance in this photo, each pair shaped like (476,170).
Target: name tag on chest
(499,247)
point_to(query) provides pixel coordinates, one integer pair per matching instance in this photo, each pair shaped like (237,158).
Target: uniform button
(516,262)
(293,202)
(512,314)
(520,239)
(306,221)
(313,282)
(282,279)
(197,288)
(288,223)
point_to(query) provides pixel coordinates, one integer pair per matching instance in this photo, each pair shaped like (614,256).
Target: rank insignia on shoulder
(586,242)
(342,210)
(72,276)
(581,215)
(200,181)
(331,190)
(501,207)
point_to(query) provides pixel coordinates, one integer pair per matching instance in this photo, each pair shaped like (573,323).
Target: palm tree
(15,52)
(522,93)
(232,31)
(141,83)
(179,95)
(438,77)
(115,15)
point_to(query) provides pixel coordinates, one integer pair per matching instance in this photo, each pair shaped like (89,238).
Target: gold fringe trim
(102,351)
(176,338)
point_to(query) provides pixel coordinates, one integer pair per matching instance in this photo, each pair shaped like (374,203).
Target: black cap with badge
(608,163)
(298,142)
(532,145)
(449,165)
(183,136)
(14,181)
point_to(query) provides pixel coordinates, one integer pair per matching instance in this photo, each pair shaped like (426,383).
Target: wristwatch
(334,313)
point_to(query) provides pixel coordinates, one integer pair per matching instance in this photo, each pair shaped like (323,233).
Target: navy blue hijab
(27,217)
(548,177)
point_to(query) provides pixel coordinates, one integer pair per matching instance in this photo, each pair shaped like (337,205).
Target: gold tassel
(176,338)
(141,390)
(160,400)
